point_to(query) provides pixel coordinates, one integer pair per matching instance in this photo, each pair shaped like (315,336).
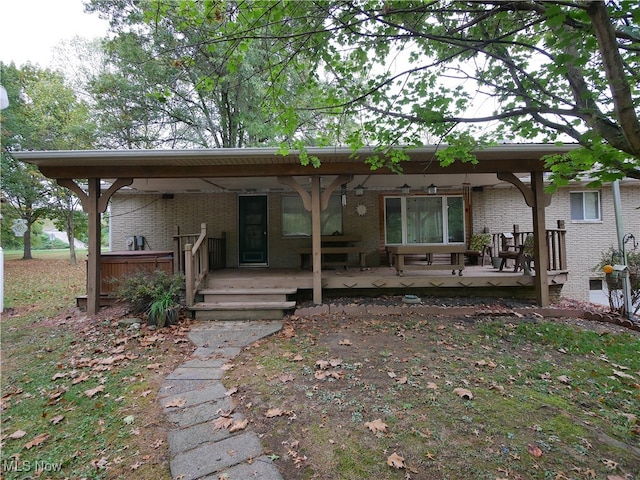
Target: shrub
(157,294)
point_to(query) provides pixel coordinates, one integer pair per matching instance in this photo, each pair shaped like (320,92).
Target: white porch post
(316,255)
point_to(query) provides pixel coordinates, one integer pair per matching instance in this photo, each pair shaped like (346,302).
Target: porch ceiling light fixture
(405,189)
(359,189)
(432,189)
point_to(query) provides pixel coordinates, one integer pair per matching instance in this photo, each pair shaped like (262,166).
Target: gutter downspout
(626,288)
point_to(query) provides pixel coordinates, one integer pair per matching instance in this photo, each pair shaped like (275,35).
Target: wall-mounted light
(343,194)
(432,189)
(405,189)
(359,190)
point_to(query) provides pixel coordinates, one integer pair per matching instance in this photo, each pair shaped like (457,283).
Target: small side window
(585,206)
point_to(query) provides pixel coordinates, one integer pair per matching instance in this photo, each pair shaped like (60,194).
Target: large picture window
(424,219)
(585,206)
(296,221)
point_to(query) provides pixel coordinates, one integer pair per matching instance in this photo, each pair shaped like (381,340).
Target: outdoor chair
(479,246)
(521,254)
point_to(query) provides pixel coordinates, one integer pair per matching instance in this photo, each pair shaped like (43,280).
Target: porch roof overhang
(242,162)
(505,162)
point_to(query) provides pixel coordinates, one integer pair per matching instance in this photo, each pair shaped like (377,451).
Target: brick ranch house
(260,212)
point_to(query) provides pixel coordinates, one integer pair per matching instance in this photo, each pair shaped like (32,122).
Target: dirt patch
(337,396)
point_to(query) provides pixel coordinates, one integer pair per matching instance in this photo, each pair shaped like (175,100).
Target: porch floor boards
(372,278)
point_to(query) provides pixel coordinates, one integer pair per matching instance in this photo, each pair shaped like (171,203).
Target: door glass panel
(455,219)
(393,219)
(424,220)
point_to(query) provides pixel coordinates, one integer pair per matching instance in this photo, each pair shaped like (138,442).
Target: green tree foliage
(43,114)
(464,73)
(165,86)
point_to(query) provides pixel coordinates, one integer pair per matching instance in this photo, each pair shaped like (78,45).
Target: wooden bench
(397,255)
(344,251)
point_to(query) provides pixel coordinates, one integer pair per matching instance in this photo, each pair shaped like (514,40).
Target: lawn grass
(78,393)
(551,399)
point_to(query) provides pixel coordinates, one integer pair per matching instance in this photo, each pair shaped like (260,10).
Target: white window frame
(583,219)
(403,210)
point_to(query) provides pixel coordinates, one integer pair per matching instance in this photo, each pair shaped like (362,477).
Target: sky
(29,29)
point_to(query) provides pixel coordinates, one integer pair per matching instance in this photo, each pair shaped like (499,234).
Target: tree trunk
(27,244)
(72,247)
(71,237)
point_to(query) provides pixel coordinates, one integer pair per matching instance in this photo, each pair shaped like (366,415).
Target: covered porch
(236,170)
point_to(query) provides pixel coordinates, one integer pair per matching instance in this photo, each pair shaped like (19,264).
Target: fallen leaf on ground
(464,393)
(534,450)
(288,332)
(620,374)
(274,412)
(396,461)
(486,363)
(99,464)
(57,419)
(322,364)
(286,377)
(222,423)
(231,391)
(376,426)
(238,425)
(83,377)
(92,391)
(111,360)
(345,342)
(36,441)
(129,419)
(153,366)
(17,434)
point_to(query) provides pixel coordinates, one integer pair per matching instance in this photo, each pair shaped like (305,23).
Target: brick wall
(156,219)
(497,209)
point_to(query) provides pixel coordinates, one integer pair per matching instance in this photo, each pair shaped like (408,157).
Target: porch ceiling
(270,183)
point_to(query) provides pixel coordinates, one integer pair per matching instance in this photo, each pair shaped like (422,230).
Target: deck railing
(218,252)
(555,241)
(196,264)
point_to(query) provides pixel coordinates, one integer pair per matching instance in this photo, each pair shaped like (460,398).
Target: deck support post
(541,253)
(94,202)
(538,200)
(316,234)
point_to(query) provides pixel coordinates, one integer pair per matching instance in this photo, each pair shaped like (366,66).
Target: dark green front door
(252,230)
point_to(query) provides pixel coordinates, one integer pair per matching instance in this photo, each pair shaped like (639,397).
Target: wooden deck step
(213,295)
(242,310)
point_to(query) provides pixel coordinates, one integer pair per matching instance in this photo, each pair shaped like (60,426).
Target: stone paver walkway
(196,450)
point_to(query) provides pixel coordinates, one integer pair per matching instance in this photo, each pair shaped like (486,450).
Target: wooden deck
(380,279)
